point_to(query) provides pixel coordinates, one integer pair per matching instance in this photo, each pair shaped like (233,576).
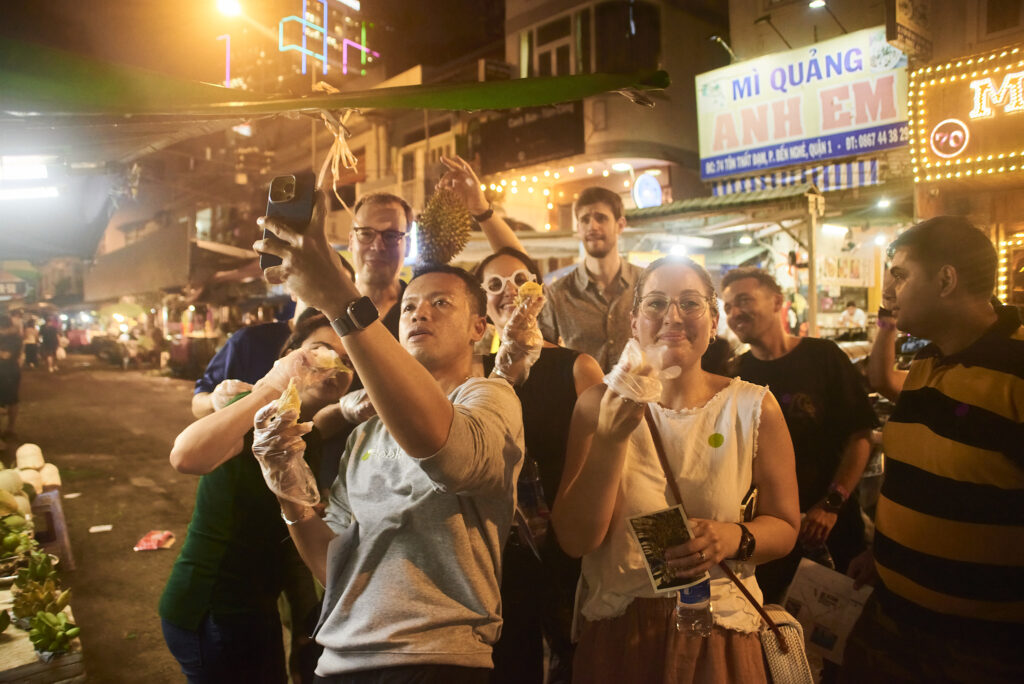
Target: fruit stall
(38,636)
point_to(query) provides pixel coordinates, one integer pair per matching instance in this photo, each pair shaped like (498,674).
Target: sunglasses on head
(496,284)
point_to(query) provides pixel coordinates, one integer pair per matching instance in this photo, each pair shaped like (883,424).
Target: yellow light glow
(231,8)
(625,184)
(514,190)
(605,173)
(534,179)
(590,171)
(504,182)
(546,192)
(522,178)
(500,189)
(530,189)
(547,226)
(556,175)
(572,169)
(550,205)
(483,187)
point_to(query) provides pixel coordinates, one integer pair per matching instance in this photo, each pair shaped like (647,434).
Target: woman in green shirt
(219,608)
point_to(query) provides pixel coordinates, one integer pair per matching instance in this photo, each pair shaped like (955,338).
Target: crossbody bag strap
(674,486)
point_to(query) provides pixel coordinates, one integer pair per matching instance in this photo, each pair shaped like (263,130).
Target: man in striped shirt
(948,553)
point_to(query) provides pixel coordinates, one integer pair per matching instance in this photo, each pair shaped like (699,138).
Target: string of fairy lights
(926,168)
(545,183)
(1006,249)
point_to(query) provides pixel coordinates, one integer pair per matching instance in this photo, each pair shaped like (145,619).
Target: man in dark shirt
(828,415)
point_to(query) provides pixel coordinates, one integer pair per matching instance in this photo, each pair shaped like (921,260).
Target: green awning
(42,81)
(722,202)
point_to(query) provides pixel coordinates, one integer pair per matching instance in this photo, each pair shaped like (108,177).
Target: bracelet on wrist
(307,513)
(484,215)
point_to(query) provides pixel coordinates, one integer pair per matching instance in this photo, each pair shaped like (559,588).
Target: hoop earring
(713,338)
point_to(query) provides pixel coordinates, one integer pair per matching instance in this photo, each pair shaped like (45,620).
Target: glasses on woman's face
(691,305)
(366,236)
(496,284)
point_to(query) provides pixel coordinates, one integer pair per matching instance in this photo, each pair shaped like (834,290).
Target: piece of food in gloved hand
(443,228)
(328,359)
(289,399)
(528,289)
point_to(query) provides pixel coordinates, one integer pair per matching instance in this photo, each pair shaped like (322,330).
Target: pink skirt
(643,646)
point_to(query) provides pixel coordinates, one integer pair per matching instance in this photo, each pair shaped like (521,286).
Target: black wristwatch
(357,316)
(747,544)
(480,218)
(835,499)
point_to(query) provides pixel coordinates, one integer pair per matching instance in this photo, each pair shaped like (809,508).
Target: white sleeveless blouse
(711,451)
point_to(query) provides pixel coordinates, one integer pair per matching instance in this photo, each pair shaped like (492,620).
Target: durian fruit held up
(444,228)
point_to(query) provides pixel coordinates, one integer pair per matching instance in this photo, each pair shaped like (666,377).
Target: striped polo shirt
(949,540)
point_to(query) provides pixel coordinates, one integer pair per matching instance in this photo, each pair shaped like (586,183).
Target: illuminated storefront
(967,127)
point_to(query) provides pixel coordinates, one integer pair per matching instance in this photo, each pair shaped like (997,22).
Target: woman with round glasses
(720,436)
(537,597)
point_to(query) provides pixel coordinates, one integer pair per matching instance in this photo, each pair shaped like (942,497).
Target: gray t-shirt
(413,577)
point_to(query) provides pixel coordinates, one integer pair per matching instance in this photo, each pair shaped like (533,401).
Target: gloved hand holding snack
(521,339)
(226,391)
(306,365)
(637,375)
(356,406)
(278,446)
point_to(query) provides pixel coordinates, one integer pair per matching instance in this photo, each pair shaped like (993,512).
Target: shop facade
(833,116)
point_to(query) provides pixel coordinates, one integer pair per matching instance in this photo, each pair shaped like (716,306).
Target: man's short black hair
(763,278)
(851,303)
(598,194)
(385,198)
(953,241)
(475,293)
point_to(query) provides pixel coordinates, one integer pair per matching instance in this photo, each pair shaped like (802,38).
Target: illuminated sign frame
(993,83)
(1011,253)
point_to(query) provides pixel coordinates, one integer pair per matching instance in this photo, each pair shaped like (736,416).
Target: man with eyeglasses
(588,309)
(379,243)
(829,418)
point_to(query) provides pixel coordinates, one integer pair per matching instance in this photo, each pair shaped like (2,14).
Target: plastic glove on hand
(637,374)
(356,407)
(226,391)
(521,339)
(278,447)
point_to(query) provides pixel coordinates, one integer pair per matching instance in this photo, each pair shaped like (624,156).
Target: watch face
(834,501)
(362,312)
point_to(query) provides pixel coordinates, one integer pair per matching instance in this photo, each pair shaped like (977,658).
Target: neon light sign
(227,59)
(308,26)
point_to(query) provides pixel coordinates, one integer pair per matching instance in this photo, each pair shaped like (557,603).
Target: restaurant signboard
(841,97)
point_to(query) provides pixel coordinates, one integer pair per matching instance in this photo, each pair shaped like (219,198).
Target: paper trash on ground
(155,539)
(827,606)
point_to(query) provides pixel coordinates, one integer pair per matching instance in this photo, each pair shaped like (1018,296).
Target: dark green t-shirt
(237,548)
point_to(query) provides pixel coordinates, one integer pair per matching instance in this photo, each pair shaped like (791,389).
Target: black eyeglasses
(496,284)
(655,306)
(366,236)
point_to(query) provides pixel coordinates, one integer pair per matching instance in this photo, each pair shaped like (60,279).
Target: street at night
(512,341)
(110,432)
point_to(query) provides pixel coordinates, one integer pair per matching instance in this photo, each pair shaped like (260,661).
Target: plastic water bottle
(532,501)
(693,609)
(819,554)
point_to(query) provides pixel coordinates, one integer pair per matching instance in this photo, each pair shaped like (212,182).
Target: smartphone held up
(290,201)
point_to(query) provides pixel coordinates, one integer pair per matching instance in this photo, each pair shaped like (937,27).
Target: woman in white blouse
(720,436)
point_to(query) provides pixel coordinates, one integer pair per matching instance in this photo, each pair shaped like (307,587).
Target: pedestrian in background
(30,339)
(10,371)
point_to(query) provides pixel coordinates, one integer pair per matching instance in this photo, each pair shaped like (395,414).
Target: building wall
(798,23)
(963,28)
